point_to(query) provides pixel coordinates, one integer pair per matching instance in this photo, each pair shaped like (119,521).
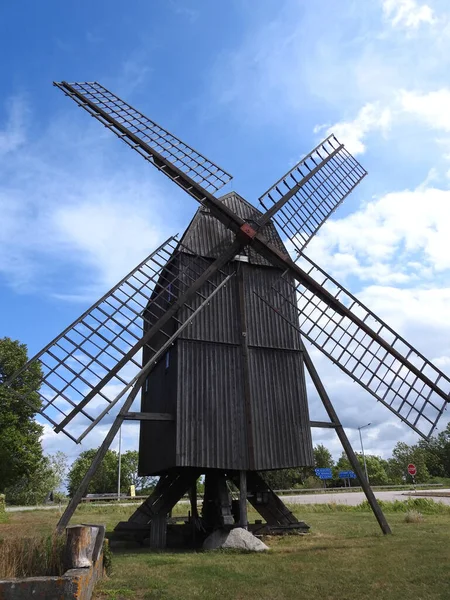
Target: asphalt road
(350,498)
(354,498)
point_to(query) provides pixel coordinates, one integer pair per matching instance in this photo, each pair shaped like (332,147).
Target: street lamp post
(362,449)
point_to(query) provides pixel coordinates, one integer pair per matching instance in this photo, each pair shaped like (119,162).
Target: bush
(423,505)
(2,508)
(312,482)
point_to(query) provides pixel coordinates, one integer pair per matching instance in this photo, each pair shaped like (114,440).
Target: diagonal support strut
(332,414)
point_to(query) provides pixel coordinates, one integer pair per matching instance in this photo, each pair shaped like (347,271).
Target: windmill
(209,330)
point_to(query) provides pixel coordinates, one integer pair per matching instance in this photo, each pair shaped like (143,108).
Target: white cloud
(432,107)
(84,222)
(111,235)
(402,236)
(407,13)
(404,109)
(371,117)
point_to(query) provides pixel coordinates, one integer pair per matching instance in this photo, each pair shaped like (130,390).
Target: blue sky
(254,85)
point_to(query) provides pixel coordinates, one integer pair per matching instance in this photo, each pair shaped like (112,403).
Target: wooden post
(243,519)
(158,532)
(345,443)
(80,544)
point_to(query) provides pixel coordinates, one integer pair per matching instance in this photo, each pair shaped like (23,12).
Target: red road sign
(412,469)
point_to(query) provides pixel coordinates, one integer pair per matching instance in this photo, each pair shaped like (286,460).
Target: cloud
(398,238)
(431,107)
(78,210)
(371,118)
(405,108)
(109,235)
(407,13)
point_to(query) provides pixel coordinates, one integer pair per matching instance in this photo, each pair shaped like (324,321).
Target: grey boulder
(237,538)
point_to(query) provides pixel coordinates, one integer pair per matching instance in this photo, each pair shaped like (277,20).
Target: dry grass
(31,556)
(413,516)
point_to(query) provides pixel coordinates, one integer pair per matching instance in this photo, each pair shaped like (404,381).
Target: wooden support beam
(322,424)
(265,501)
(332,414)
(141,416)
(101,452)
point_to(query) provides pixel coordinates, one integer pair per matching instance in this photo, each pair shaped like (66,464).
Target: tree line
(27,475)
(432,460)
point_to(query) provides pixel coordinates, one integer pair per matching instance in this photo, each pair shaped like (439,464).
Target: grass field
(344,557)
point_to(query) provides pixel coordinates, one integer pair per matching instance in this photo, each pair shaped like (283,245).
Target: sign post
(412,470)
(346,476)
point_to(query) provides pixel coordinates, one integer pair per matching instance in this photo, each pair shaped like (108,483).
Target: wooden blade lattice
(145,136)
(73,392)
(302,200)
(395,372)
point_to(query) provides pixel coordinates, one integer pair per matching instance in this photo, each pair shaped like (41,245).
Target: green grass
(345,557)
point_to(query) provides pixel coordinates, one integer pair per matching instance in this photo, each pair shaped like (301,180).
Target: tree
(20,447)
(402,455)
(130,475)
(376,467)
(322,457)
(35,488)
(58,465)
(437,453)
(283,479)
(104,480)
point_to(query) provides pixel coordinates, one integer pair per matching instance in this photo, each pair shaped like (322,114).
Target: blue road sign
(324,473)
(347,475)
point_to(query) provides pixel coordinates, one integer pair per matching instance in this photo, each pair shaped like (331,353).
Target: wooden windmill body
(234,379)
(208,331)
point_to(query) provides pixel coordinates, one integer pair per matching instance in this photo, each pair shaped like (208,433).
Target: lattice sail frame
(116,114)
(301,201)
(418,402)
(312,190)
(75,363)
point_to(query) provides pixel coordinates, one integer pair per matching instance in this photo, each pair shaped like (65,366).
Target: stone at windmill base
(237,538)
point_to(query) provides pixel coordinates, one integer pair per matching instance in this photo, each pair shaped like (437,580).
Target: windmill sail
(165,151)
(380,360)
(330,317)
(302,200)
(96,359)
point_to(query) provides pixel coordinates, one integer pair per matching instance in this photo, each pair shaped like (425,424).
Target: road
(350,498)
(354,498)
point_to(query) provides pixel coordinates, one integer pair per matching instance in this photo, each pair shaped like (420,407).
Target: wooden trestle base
(153,524)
